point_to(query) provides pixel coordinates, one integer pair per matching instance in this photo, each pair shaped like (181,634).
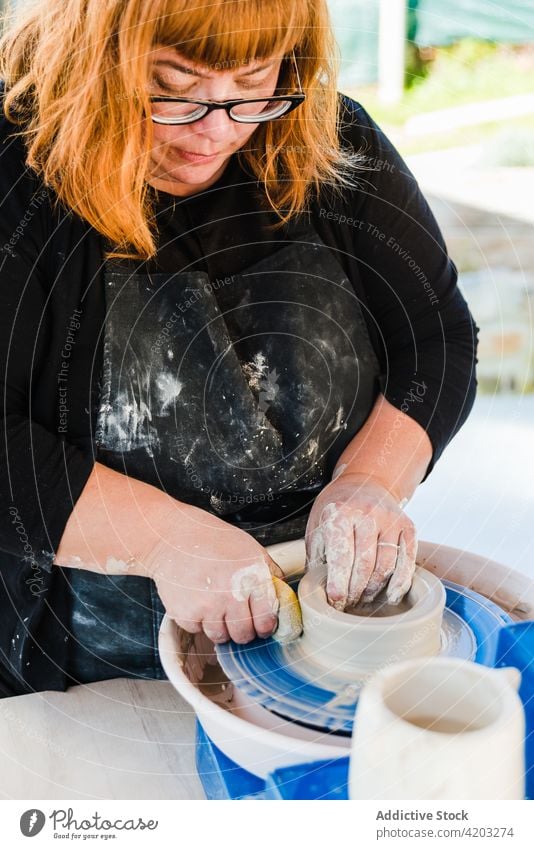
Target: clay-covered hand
(350,516)
(215,578)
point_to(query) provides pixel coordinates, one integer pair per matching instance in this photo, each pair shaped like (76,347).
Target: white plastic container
(259,741)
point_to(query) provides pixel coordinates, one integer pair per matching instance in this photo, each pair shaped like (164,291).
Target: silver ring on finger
(392,544)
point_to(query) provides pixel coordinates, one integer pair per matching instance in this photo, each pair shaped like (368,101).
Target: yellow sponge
(289,614)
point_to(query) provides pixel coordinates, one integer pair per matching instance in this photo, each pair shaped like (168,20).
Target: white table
(118,739)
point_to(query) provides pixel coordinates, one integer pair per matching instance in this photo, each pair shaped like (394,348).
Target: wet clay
(215,685)
(379,607)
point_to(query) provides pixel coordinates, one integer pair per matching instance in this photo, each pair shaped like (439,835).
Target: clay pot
(350,644)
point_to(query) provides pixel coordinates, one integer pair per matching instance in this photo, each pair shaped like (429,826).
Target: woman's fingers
(239,623)
(315,556)
(338,536)
(264,614)
(252,606)
(263,603)
(365,554)
(216,630)
(401,579)
(346,525)
(246,611)
(358,568)
(386,560)
(192,626)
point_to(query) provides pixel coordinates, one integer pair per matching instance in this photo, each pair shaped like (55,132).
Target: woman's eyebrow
(172,63)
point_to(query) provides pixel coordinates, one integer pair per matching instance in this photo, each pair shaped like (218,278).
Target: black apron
(236,395)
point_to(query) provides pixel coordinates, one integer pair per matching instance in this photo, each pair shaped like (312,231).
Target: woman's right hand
(214,577)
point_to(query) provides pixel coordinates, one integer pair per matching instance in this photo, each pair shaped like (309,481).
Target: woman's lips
(195,157)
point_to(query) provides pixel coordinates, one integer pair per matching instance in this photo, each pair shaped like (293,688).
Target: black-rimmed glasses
(182,110)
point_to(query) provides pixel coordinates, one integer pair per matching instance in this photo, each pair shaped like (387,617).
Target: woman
(229,320)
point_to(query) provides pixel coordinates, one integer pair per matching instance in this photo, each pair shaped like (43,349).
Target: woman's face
(187,158)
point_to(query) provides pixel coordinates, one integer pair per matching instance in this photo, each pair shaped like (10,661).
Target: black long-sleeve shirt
(52,311)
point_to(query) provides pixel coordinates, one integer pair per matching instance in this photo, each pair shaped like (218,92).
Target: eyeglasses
(181,110)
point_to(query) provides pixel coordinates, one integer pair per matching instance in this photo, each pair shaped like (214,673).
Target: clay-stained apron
(237,394)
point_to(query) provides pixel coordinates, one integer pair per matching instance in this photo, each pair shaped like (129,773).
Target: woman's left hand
(349,518)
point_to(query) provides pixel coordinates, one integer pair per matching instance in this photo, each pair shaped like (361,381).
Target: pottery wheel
(287,682)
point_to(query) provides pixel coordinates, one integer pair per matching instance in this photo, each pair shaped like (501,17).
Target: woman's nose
(216,124)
